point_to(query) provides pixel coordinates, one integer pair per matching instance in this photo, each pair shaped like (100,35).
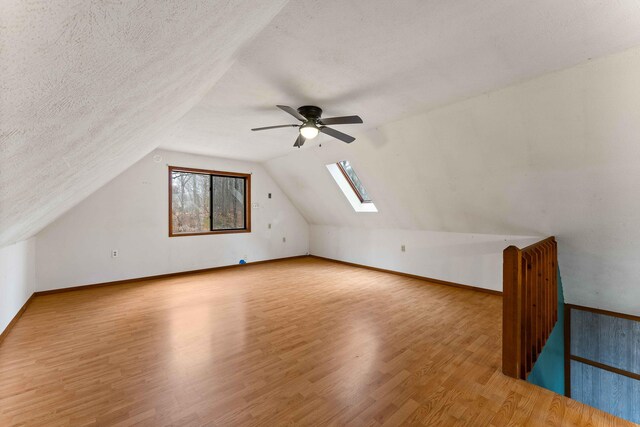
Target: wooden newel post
(512,313)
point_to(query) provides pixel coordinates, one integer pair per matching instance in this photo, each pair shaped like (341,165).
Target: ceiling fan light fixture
(309,130)
(312,124)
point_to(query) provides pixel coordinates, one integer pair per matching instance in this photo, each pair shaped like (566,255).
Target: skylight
(355,182)
(351,186)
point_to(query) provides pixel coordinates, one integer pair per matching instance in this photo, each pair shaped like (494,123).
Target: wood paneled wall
(610,392)
(613,341)
(530,304)
(603,360)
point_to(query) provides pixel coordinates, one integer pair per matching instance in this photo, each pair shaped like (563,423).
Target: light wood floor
(294,342)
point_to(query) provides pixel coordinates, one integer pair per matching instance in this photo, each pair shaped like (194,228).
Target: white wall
(130,214)
(468,259)
(555,155)
(17,278)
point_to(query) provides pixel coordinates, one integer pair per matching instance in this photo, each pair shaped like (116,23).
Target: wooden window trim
(247,200)
(353,186)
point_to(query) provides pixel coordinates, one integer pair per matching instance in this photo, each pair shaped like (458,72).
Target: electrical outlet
(255,205)
(114,253)
(403,249)
(269,195)
(284,240)
(269,226)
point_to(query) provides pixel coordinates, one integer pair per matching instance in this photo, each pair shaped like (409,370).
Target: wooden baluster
(536,304)
(539,324)
(552,322)
(529,318)
(546,294)
(553,294)
(550,284)
(539,277)
(524,316)
(555,280)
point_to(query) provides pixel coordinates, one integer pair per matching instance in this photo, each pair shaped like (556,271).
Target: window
(351,186)
(208,202)
(355,182)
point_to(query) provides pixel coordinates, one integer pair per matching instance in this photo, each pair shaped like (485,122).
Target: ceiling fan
(312,123)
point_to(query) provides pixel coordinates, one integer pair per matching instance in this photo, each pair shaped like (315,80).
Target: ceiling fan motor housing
(311,112)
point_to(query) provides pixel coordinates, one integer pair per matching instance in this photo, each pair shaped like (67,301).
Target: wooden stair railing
(530,304)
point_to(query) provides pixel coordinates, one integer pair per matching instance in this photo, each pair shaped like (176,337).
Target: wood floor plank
(294,342)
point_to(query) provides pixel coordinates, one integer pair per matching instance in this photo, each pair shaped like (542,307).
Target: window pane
(355,180)
(191,194)
(228,202)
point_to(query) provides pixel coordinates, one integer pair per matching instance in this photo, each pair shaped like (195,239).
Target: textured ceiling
(387,59)
(87,84)
(89,87)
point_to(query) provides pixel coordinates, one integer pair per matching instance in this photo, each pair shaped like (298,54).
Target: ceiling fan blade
(299,142)
(292,111)
(337,134)
(344,120)
(275,127)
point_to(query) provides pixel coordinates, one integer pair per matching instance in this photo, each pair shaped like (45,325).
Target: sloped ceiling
(556,155)
(87,84)
(89,87)
(388,59)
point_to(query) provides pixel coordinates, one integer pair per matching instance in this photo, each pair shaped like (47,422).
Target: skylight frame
(351,183)
(349,192)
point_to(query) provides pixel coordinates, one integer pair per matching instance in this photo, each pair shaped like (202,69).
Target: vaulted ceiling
(385,60)
(556,155)
(89,87)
